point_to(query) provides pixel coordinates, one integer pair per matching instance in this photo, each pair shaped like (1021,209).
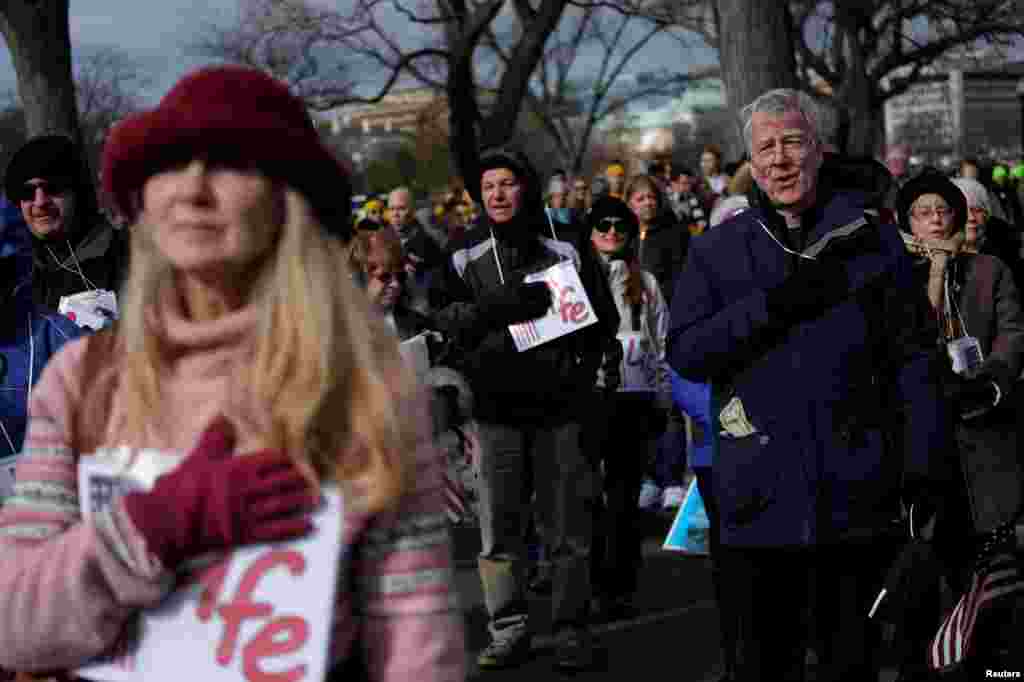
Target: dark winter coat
(96,260)
(988,299)
(1002,240)
(662,252)
(825,395)
(548,383)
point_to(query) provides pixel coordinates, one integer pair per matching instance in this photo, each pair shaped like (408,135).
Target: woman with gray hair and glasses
(987,233)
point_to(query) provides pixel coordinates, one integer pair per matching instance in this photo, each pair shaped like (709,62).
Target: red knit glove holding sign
(216,501)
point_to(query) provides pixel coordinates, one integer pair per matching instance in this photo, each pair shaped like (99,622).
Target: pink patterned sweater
(69,585)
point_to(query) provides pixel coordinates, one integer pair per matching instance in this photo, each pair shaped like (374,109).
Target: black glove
(971,397)
(611,363)
(814,288)
(512,303)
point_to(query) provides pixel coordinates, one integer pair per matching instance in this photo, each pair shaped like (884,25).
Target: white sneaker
(673,497)
(650,495)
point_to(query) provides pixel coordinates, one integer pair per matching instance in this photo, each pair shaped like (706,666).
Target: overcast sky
(151,31)
(154,32)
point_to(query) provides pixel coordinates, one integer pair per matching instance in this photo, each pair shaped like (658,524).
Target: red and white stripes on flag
(999,577)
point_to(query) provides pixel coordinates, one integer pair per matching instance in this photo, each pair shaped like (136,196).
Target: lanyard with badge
(964,350)
(94,308)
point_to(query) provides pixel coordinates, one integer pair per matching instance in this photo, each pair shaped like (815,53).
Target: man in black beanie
(529,406)
(74,249)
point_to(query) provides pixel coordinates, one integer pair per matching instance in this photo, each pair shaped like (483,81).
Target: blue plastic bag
(689,532)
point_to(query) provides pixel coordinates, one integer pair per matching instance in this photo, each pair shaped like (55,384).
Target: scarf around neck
(938,252)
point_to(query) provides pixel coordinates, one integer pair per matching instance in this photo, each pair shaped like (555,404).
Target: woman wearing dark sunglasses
(625,423)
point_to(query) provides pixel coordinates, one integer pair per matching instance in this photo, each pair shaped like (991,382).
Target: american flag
(993,579)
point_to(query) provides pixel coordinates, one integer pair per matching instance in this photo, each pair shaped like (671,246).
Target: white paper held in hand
(262,612)
(570,308)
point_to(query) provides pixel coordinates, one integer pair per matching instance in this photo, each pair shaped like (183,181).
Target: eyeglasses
(926,212)
(978,211)
(793,147)
(52,188)
(620,225)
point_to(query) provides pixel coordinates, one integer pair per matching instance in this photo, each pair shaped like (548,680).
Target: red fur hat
(234,114)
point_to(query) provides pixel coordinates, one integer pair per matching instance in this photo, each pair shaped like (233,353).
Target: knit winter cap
(931,181)
(236,115)
(975,193)
(610,207)
(48,156)
(999,173)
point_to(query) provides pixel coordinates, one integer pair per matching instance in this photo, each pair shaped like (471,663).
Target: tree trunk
(471,131)
(756,55)
(866,126)
(856,96)
(39,41)
(38,37)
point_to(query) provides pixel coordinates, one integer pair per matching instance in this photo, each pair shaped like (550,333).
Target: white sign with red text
(639,364)
(570,308)
(260,614)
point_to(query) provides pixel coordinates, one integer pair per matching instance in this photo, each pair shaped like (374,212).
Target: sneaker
(574,650)
(509,648)
(673,497)
(650,496)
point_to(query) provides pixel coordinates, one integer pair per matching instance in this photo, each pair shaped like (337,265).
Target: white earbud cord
(497,259)
(77,270)
(783,246)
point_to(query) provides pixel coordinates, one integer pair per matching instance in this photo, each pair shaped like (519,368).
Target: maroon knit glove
(216,501)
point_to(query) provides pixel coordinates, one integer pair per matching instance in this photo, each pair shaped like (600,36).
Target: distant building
(397,112)
(971,111)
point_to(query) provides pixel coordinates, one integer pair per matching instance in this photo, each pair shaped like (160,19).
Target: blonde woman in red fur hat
(244,349)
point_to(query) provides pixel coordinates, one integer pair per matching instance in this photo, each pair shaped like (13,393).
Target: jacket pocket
(746,482)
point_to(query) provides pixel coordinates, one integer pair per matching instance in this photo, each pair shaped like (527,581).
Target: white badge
(965,353)
(94,309)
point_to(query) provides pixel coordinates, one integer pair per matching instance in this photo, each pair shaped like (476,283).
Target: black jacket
(662,252)
(98,260)
(546,384)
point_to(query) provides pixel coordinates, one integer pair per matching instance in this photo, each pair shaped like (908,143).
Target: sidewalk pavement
(674,626)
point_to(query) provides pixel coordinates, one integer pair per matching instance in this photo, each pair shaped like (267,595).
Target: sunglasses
(620,225)
(51,188)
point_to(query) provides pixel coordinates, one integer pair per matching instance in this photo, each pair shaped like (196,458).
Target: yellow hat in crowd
(615,169)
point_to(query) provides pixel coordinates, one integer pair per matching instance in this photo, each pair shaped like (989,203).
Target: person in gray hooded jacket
(529,405)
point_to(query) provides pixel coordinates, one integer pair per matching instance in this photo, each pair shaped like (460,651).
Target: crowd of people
(828,347)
